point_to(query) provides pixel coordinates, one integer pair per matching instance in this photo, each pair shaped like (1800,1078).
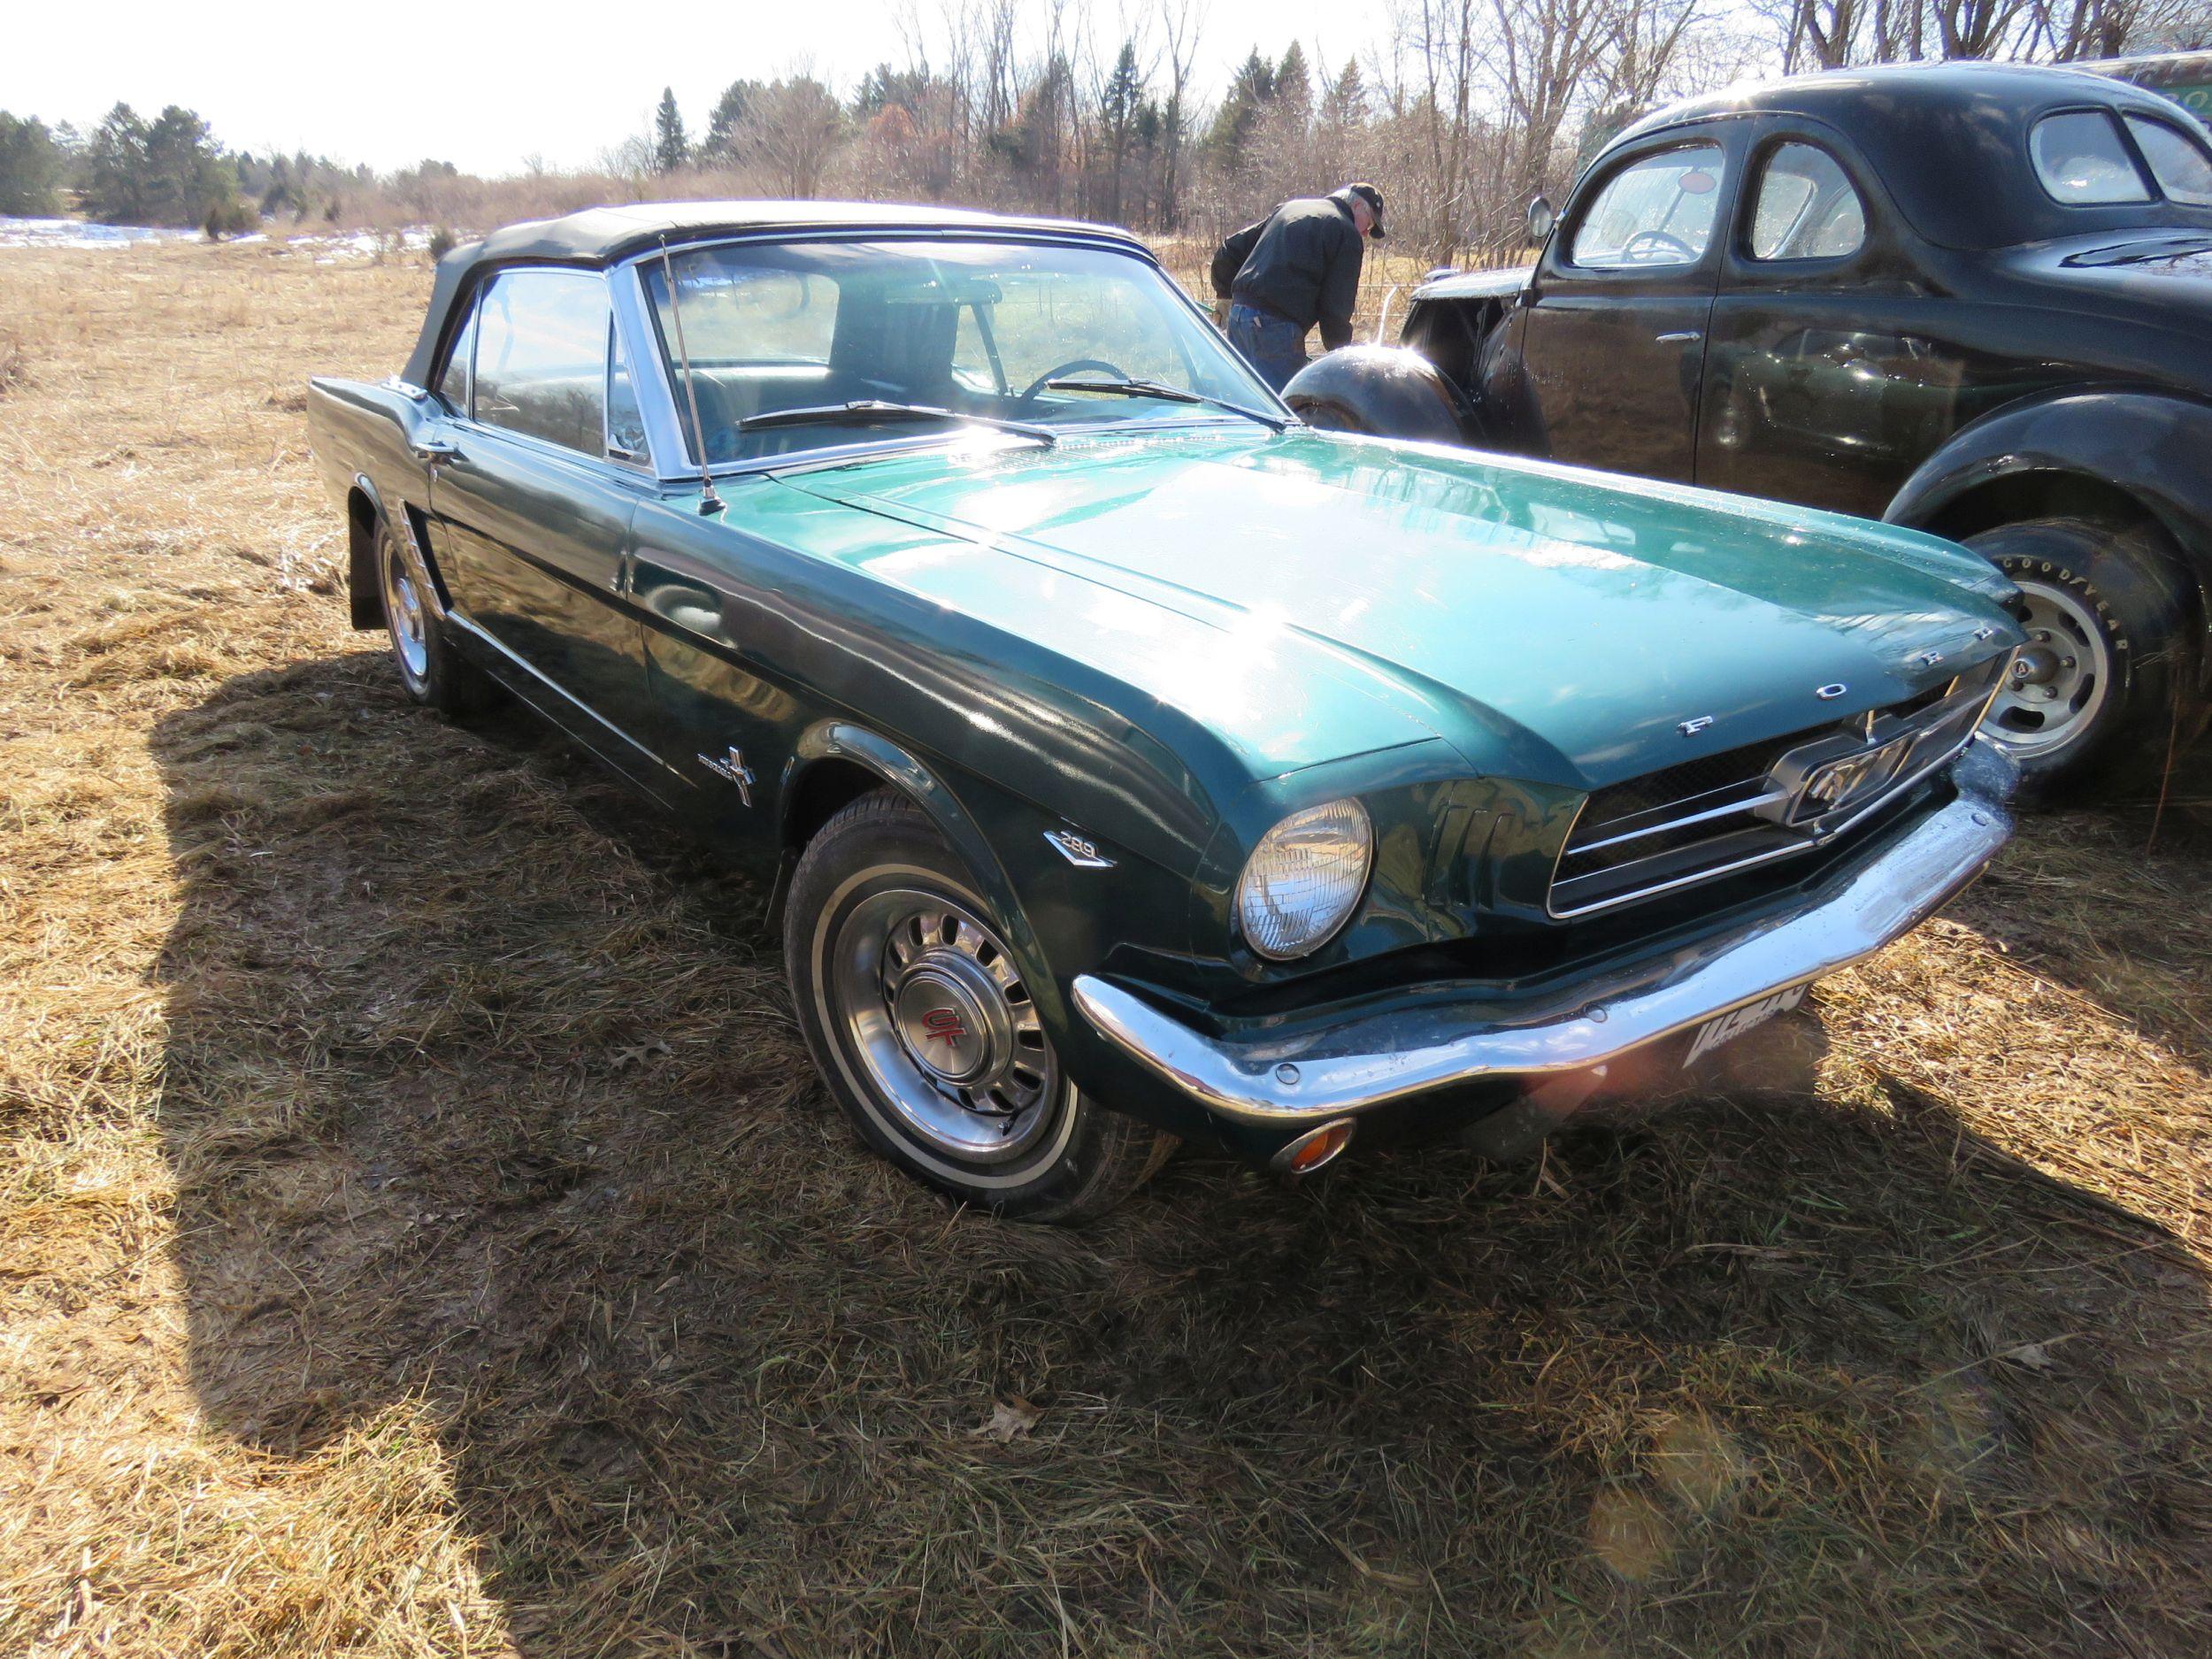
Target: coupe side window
(2178,162)
(2080,159)
(542,358)
(1807,208)
(1658,212)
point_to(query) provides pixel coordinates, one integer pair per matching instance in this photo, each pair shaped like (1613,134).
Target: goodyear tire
(2103,692)
(925,1032)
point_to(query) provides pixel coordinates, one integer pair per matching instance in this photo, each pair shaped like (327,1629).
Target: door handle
(1681,337)
(434,449)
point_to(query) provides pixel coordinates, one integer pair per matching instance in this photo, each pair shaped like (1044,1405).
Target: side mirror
(1541,217)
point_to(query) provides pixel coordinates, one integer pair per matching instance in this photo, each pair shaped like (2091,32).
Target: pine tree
(30,165)
(1120,107)
(672,149)
(1294,86)
(1344,105)
(1250,91)
(727,116)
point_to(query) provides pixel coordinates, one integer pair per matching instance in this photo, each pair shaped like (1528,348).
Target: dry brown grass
(419,1233)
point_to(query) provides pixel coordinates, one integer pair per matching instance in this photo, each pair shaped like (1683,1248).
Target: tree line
(1459,110)
(168,171)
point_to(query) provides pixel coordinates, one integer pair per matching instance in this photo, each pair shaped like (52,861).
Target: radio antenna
(709,501)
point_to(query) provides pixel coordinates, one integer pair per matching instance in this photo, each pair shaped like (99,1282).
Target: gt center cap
(946,1023)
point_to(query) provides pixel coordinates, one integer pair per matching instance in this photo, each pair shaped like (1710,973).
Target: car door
(1613,333)
(1828,377)
(532,504)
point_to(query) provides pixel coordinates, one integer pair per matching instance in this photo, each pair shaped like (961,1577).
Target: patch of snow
(75,233)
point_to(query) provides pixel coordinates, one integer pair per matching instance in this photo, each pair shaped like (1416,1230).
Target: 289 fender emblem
(733,768)
(1079,850)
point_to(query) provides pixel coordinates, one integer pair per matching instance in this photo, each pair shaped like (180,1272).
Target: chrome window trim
(606,462)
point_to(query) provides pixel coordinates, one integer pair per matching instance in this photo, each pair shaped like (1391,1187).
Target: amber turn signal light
(1310,1150)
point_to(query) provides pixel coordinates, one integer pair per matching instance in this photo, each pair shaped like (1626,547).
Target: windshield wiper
(872,409)
(1166,394)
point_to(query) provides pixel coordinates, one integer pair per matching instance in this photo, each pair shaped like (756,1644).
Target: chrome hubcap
(402,609)
(936,1012)
(2060,679)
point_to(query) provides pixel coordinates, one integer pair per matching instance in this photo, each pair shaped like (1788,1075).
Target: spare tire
(1384,391)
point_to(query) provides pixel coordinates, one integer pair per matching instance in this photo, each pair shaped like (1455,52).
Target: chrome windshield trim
(1374,1060)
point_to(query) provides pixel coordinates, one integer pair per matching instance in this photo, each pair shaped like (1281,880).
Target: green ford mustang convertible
(1130,763)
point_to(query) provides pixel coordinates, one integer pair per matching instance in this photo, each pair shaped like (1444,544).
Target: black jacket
(1300,262)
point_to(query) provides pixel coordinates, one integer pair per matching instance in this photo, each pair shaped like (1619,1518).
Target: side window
(1657,211)
(2081,161)
(625,423)
(453,385)
(542,358)
(2178,162)
(1807,208)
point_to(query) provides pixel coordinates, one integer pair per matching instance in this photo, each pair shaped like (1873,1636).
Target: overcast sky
(485,83)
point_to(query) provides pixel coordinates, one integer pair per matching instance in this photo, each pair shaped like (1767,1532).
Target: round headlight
(1304,878)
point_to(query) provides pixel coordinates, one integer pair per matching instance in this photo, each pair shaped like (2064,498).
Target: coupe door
(531,510)
(1613,344)
(1836,365)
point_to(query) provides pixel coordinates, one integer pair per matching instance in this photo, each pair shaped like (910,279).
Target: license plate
(1729,1026)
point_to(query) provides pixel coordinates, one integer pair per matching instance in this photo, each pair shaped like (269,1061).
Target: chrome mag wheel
(404,613)
(936,1015)
(2061,678)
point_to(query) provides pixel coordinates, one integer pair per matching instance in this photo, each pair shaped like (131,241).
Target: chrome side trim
(1371,1061)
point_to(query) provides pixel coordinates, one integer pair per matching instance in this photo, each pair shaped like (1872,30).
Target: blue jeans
(1273,345)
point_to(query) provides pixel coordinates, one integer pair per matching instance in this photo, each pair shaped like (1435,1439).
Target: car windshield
(1000,330)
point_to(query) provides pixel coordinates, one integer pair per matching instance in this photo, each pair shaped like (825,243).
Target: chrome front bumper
(1283,1078)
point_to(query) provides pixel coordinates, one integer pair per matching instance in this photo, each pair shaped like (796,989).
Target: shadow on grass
(482,1094)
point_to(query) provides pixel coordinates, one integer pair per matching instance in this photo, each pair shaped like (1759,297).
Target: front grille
(1722,813)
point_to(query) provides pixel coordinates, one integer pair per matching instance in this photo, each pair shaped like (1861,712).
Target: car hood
(1555,625)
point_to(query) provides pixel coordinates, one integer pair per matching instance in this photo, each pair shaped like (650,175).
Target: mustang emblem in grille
(1814,782)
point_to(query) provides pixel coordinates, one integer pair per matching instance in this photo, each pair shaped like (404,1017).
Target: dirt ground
(419,1232)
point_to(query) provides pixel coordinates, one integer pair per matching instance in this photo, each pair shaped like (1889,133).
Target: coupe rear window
(2083,161)
(2179,164)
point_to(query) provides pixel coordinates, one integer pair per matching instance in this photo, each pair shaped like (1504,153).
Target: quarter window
(542,358)
(453,385)
(626,422)
(1658,212)
(2177,162)
(2082,162)
(1807,208)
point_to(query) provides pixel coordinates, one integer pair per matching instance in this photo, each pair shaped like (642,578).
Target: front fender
(901,770)
(2150,446)
(1386,391)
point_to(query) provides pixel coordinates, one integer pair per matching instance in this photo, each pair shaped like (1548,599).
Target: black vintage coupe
(1971,298)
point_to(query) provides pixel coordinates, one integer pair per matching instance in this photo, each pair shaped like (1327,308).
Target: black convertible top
(603,235)
(1951,142)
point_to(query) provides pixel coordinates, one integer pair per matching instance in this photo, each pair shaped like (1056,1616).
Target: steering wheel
(1067,368)
(1656,247)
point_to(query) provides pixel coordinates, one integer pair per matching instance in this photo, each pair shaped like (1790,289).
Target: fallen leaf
(1010,1420)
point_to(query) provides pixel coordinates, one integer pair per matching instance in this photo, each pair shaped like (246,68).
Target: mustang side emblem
(1079,850)
(1691,728)
(735,769)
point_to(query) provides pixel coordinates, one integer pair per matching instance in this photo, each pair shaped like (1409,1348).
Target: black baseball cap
(1370,195)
